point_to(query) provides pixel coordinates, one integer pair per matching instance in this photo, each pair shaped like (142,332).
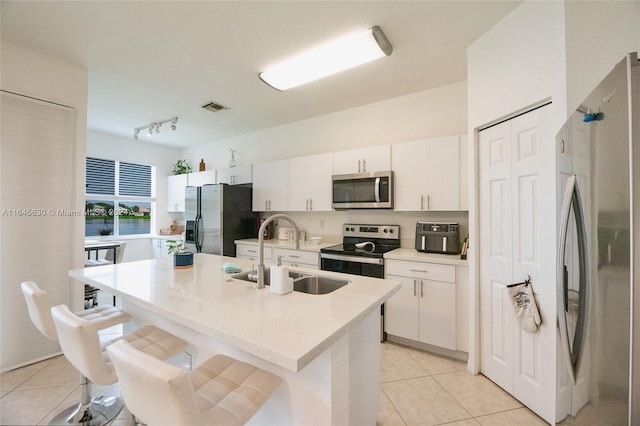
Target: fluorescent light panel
(329,58)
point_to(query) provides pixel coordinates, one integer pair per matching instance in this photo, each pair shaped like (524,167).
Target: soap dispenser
(280,282)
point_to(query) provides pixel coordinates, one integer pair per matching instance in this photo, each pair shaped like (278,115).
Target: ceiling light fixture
(155,126)
(329,58)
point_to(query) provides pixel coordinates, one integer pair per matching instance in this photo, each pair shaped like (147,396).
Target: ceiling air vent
(214,106)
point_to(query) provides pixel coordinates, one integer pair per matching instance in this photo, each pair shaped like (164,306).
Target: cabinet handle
(266,205)
(428,202)
(358,166)
(422,202)
(421,288)
(307,208)
(310,204)
(251,251)
(419,270)
(414,288)
(364,165)
(294,256)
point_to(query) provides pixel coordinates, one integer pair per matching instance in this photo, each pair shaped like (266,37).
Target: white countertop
(413,255)
(288,330)
(286,244)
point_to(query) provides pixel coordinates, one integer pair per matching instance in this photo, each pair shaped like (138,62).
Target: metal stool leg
(97,411)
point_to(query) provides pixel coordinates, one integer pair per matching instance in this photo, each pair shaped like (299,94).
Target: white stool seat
(104,316)
(220,391)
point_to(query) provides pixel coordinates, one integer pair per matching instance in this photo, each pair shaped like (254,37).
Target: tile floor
(417,388)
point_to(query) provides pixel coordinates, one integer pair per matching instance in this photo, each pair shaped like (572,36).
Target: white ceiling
(152,60)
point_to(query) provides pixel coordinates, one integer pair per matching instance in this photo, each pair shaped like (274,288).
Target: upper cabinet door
(175,192)
(235,175)
(270,186)
(310,183)
(201,178)
(373,159)
(427,174)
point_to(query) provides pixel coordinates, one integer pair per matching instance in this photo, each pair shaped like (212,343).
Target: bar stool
(220,391)
(39,308)
(80,343)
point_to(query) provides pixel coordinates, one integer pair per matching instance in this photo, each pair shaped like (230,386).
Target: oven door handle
(357,259)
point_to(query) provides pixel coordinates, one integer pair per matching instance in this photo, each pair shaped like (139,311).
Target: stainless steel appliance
(361,253)
(438,237)
(599,375)
(363,190)
(216,216)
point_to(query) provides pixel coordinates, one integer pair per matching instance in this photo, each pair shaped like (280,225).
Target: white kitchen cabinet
(310,183)
(175,192)
(250,252)
(234,175)
(425,307)
(160,248)
(372,159)
(201,178)
(427,174)
(270,186)
(297,258)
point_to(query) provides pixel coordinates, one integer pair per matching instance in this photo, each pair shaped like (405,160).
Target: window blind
(101,176)
(135,179)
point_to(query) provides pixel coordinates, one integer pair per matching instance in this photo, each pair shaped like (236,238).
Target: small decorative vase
(233,162)
(183,260)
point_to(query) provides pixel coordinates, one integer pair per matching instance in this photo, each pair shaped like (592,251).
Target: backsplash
(329,224)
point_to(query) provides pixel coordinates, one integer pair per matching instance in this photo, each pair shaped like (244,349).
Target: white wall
(599,34)
(103,145)
(430,113)
(30,73)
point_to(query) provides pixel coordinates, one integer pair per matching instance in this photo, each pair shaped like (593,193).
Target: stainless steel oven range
(361,253)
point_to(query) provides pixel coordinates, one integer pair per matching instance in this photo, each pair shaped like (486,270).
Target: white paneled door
(37,183)
(517,240)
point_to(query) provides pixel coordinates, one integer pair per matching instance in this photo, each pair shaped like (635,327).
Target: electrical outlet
(322,224)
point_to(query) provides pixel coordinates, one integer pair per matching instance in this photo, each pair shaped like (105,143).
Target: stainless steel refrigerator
(216,216)
(597,275)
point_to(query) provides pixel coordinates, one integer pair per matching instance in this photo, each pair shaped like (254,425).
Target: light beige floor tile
(12,379)
(397,364)
(520,417)
(423,401)
(28,407)
(58,373)
(435,364)
(466,422)
(387,413)
(477,394)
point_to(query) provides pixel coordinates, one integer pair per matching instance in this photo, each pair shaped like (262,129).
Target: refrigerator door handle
(199,234)
(572,354)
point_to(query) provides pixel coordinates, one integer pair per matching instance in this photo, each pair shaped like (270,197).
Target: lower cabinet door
(401,310)
(437,313)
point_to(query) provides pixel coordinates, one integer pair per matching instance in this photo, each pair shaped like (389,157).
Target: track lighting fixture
(155,126)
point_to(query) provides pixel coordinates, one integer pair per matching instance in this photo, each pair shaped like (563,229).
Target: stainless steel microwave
(372,190)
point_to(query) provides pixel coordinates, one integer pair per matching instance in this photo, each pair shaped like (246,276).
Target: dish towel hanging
(525,305)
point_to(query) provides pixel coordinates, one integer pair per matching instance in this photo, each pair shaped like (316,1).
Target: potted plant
(181,258)
(181,167)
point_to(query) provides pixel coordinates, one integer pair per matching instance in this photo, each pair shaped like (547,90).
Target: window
(120,198)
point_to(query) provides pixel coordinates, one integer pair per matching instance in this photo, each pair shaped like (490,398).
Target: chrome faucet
(261,243)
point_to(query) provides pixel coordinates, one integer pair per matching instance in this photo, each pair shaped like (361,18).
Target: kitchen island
(324,347)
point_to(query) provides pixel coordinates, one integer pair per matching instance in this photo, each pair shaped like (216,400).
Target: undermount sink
(304,283)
